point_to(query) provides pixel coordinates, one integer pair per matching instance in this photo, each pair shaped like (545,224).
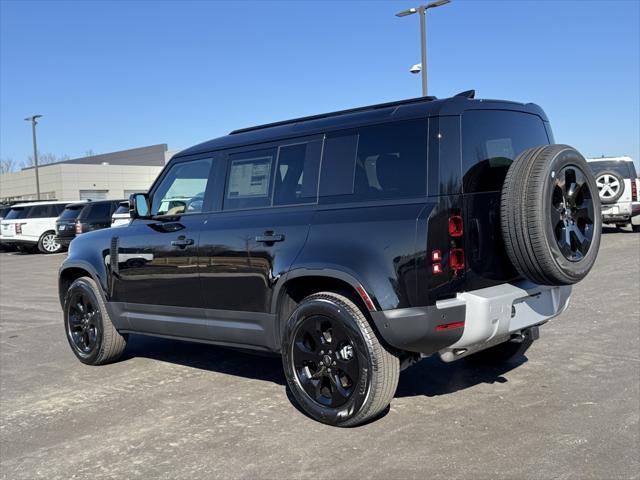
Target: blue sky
(114,75)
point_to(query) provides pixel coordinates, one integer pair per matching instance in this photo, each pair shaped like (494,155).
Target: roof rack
(332,114)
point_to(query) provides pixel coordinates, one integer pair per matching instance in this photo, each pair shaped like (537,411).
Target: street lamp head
(438,3)
(32,118)
(404,13)
(417,68)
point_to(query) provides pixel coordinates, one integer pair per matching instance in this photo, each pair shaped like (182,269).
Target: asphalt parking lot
(180,410)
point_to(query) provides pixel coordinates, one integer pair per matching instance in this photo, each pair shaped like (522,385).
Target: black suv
(352,243)
(83,217)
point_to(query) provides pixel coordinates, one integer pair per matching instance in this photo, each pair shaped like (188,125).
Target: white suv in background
(32,226)
(618,184)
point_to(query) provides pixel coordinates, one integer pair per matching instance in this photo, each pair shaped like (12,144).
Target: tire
(323,330)
(47,243)
(91,335)
(610,186)
(550,215)
(501,353)
(635,228)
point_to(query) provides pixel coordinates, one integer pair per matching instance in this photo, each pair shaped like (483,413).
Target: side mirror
(139,205)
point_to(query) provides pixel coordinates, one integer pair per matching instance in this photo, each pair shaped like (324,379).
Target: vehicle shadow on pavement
(617,230)
(258,365)
(433,377)
(430,377)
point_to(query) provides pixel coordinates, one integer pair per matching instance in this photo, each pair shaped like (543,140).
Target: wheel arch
(301,283)
(71,271)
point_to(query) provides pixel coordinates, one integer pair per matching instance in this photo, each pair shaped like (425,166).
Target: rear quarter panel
(375,245)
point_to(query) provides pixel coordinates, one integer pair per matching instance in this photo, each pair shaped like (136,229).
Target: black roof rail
(333,114)
(467,94)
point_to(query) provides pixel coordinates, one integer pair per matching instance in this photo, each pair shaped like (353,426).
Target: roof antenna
(467,94)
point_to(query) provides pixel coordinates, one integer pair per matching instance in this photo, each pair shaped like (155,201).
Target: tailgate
(487,262)
(8,229)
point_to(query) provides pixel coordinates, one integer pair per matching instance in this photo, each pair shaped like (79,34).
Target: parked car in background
(121,217)
(353,243)
(32,226)
(618,187)
(66,223)
(4,209)
(96,215)
(89,216)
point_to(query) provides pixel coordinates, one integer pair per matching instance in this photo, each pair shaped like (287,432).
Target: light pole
(422,11)
(34,121)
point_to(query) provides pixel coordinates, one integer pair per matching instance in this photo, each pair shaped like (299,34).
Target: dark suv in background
(352,243)
(83,217)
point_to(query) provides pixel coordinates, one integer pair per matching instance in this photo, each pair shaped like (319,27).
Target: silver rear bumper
(493,314)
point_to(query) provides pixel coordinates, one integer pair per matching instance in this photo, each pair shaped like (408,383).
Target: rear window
(623,169)
(71,213)
(17,213)
(376,162)
(491,141)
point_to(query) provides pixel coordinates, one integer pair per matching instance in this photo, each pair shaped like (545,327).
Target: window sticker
(249,178)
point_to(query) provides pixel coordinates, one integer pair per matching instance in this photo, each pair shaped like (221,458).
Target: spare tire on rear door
(550,215)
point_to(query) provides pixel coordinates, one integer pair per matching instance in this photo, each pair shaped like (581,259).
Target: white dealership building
(106,176)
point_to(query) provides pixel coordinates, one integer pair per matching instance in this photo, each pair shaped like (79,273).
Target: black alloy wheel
(336,368)
(91,334)
(326,366)
(572,213)
(83,326)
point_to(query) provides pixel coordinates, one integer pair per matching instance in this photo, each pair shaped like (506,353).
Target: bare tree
(44,159)
(89,153)
(7,165)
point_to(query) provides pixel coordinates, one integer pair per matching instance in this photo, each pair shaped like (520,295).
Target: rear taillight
(456,259)
(455,226)
(78,228)
(634,191)
(19,228)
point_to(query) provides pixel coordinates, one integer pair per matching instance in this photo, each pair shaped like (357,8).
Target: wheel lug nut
(333,363)
(321,352)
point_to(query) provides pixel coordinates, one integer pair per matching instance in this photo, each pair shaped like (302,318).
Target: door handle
(182,242)
(270,237)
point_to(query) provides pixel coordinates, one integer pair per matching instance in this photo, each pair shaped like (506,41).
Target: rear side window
(491,141)
(250,179)
(98,211)
(296,177)
(42,211)
(377,162)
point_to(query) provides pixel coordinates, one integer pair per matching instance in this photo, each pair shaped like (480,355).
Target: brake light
(449,326)
(456,259)
(455,226)
(634,191)
(436,258)
(78,228)
(19,228)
